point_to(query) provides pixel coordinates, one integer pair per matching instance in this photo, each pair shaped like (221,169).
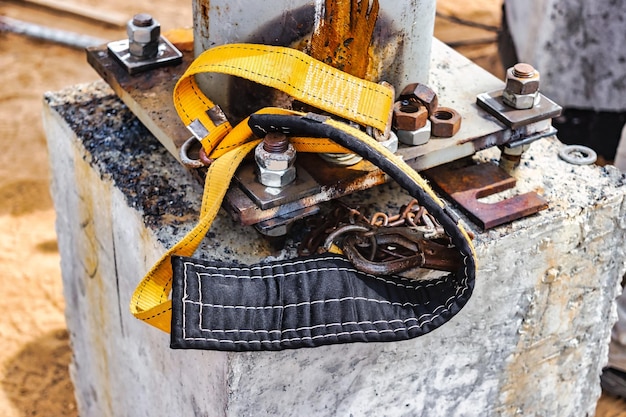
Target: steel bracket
(467,185)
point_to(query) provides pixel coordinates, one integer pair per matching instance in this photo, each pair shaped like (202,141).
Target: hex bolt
(522,70)
(275,158)
(144,34)
(522,87)
(142,20)
(275,143)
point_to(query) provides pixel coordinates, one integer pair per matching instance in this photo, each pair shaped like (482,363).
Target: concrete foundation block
(531,341)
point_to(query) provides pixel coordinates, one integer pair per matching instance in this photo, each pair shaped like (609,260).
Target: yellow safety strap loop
(292,72)
(286,69)
(150,300)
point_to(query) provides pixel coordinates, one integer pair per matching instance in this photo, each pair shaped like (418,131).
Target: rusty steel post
(380,40)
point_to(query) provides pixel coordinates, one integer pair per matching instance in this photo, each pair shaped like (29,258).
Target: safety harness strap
(303,302)
(288,70)
(150,300)
(352,98)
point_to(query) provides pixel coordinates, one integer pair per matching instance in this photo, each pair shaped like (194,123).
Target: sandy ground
(34,345)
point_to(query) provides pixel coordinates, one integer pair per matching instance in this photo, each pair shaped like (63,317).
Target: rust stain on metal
(345,34)
(334,181)
(466,185)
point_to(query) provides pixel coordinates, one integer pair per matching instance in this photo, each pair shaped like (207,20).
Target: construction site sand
(34,341)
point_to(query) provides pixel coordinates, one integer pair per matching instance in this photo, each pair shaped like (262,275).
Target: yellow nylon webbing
(293,72)
(288,70)
(149,301)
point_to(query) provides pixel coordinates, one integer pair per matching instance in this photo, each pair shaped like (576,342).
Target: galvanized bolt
(144,33)
(275,158)
(522,87)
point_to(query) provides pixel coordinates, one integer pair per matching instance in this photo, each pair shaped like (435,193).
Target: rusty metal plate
(466,185)
(333,182)
(149,97)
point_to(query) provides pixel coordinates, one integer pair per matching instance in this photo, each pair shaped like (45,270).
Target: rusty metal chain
(384,243)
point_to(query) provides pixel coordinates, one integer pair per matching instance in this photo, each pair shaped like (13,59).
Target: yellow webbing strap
(150,299)
(294,72)
(289,70)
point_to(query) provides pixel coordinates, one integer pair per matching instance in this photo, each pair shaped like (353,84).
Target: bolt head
(522,79)
(143,34)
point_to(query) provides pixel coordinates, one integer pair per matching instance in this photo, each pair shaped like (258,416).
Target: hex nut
(421,93)
(391,143)
(139,31)
(415,137)
(144,33)
(445,122)
(522,79)
(275,169)
(521,101)
(276,179)
(409,115)
(143,50)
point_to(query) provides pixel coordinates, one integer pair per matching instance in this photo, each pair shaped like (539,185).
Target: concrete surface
(531,341)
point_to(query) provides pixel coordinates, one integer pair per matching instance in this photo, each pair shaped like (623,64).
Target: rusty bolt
(142,20)
(421,93)
(409,115)
(144,33)
(445,122)
(522,79)
(275,157)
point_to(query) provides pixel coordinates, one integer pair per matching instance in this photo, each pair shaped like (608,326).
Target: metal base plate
(514,118)
(268,197)
(167,55)
(149,96)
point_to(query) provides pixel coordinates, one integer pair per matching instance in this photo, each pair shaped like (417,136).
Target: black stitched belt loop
(302,302)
